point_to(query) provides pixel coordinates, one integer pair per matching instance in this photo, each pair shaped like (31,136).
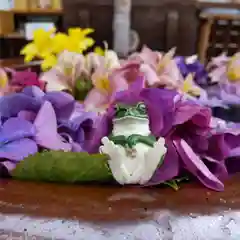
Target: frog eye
(120,110)
(141,107)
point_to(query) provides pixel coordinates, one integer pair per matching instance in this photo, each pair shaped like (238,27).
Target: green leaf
(174,182)
(64,167)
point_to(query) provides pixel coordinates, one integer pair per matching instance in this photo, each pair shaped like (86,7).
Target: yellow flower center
(103,84)
(233,71)
(68,71)
(189,87)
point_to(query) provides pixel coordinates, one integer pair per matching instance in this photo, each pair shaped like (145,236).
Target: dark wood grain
(150,19)
(113,203)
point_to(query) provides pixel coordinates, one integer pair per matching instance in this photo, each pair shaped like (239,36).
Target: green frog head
(124,111)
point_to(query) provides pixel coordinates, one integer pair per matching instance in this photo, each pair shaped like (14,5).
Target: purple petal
(27,115)
(169,169)
(15,129)
(46,125)
(11,105)
(76,147)
(34,92)
(18,150)
(101,128)
(235,152)
(9,165)
(161,108)
(132,95)
(217,147)
(62,102)
(196,166)
(189,111)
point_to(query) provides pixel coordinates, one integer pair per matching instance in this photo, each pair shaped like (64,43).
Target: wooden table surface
(109,210)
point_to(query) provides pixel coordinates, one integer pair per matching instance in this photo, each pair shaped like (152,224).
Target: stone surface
(49,211)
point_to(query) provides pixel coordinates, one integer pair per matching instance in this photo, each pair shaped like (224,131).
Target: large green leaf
(69,167)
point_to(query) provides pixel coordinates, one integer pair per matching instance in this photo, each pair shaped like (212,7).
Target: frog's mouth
(131,117)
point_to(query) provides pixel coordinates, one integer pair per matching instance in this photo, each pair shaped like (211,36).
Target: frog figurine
(134,153)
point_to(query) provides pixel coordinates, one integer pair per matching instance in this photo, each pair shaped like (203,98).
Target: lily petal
(95,99)
(150,75)
(56,81)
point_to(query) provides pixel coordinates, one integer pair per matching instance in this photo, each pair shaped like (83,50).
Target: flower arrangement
(220,79)
(220,82)
(95,117)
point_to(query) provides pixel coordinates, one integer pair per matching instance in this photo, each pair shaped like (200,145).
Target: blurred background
(193,26)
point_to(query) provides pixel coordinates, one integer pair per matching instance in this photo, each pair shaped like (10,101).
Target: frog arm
(135,138)
(153,160)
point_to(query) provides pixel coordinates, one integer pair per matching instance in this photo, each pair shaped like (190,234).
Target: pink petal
(55,80)
(150,74)
(95,99)
(128,72)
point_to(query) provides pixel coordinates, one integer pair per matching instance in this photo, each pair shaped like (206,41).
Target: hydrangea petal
(170,167)
(62,102)
(18,150)
(12,104)
(196,166)
(34,92)
(46,125)
(15,129)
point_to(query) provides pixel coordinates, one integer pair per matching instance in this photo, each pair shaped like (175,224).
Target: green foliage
(174,182)
(64,167)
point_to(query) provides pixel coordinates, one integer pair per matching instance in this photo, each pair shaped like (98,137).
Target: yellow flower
(233,71)
(99,51)
(86,43)
(46,45)
(189,86)
(59,42)
(78,40)
(3,79)
(79,33)
(49,61)
(166,60)
(43,38)
(29,51)
(41,44)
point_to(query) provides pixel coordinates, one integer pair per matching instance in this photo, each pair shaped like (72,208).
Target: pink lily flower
(106,82)
(70,67)
(158,70)
(146,56)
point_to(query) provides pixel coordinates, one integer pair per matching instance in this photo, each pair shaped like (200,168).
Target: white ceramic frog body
(134,153)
